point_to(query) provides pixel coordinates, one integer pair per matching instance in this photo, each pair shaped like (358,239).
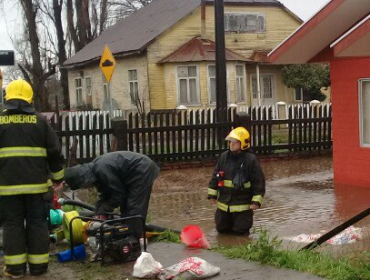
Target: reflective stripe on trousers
(15,259)
(38,259)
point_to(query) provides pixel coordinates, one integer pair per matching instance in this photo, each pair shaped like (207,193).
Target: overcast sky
(303,8)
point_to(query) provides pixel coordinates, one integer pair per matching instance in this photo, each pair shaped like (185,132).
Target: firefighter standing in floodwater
(123,179)
(237,185)
(29,154)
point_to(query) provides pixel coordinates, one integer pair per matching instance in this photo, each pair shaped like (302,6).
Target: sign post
(107,65)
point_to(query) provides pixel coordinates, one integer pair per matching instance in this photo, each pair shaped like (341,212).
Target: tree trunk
(57,8)
(71,26)
(30,11)
(103,15)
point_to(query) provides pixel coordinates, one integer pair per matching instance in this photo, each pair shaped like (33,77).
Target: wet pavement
(169,254)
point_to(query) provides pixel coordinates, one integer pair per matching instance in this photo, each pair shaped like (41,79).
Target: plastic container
(57,236)
(79,253)
(193,237)
(56,217)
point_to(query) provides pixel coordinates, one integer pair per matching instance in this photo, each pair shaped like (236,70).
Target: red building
(340,34)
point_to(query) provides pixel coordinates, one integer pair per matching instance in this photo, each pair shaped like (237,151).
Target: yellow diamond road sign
(107,63)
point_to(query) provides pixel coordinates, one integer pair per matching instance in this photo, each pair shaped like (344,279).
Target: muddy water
(300,199)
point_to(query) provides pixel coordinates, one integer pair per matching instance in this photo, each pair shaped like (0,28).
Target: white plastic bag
(191,268)
(146,266)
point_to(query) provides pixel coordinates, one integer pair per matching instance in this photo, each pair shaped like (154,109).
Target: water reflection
(300,199)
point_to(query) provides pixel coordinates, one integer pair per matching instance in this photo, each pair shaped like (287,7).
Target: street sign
(107,63)
(6,58)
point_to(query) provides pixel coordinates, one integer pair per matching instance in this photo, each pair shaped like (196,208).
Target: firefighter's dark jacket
(30,154)
(243,182)
(116,175)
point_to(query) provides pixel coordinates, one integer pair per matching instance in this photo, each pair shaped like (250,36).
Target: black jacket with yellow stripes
(243,181)
(30,154)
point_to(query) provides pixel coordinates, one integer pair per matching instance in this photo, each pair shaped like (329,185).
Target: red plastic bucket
(193,237)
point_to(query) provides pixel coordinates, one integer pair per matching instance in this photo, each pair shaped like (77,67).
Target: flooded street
(300,198)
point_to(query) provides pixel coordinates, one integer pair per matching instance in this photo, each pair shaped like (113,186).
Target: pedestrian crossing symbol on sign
(107,63)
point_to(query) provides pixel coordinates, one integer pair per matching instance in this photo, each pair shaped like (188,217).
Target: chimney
(203,19)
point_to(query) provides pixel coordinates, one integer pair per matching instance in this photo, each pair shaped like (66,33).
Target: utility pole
(221,89)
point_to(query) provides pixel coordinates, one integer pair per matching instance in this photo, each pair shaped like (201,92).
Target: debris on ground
(190,268)
(146,266)
(348,236)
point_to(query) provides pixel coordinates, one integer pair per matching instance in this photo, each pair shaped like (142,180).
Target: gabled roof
(355,42)
(134,33)
(313,40)
(198,49)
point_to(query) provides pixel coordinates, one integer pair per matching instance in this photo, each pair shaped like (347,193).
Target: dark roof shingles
(135,32)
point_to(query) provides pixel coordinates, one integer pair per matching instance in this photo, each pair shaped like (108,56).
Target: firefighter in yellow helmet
(237,186)
(30,153)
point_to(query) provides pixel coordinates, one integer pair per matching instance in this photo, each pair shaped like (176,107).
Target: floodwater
(300,198)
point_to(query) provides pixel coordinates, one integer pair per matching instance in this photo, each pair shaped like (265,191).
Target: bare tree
(40,49)
(33,69)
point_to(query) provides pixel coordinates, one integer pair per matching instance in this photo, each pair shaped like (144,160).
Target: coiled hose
(149,227)
(78,227)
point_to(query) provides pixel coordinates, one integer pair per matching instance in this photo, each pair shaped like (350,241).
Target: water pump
(112,241)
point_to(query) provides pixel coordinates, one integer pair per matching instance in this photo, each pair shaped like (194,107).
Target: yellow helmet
(19,89)
(240,134)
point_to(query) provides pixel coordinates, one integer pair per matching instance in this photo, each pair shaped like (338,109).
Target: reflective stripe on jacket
(250,189)
(30,154)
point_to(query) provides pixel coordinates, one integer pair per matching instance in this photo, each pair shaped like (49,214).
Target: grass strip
(267,250)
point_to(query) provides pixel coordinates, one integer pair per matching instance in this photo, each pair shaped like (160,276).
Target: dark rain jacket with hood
(243,182)
(120,177)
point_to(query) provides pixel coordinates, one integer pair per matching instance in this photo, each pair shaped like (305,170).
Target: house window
(188,85)
(245,22)
(266,84)
(212,83)
(133,86)
(298,94)
(240,83)
(88,86)
(364,100)
(78,90)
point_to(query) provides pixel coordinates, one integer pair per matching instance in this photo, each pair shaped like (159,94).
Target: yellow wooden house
(165,55)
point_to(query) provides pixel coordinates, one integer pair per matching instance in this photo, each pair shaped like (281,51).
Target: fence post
(119,126)
(243,119)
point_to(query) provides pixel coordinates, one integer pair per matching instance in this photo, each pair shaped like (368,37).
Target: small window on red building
(364,106)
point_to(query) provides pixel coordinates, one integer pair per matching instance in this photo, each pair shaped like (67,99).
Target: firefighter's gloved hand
(254,206)
(213,201)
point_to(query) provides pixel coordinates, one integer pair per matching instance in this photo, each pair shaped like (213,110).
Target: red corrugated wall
(351,162)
